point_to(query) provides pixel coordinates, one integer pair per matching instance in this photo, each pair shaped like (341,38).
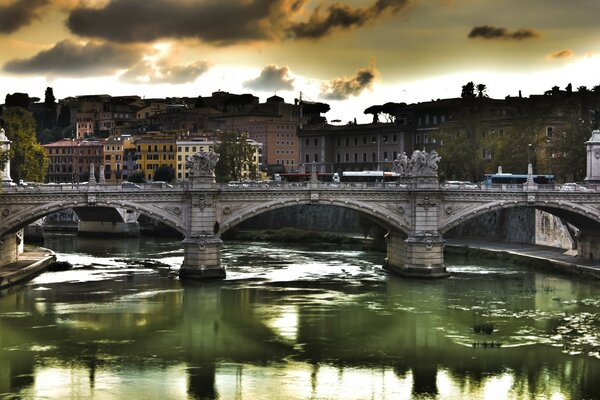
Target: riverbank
(29,264)
(542,257)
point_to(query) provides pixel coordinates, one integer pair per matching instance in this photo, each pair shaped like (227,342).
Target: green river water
(293,322)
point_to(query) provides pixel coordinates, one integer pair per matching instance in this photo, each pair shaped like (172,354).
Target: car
(573,187)
(130,185)
(161,184)
(459,185)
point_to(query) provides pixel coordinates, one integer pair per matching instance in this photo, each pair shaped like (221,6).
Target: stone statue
(400,164)
(202,163)
(420,163)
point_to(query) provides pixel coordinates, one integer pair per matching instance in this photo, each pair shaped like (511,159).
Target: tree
(64,116)
(28,159)
(235,156)
(375,110)
(136,177)
(49,119)
(481,90)
(567,151)
(18,100)
(468,91)
(164,173)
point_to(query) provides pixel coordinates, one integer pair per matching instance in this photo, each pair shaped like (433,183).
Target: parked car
(130,185)
(162,185)
(459,185)
(573,187)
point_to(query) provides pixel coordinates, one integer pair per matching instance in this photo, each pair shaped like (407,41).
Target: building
(114,155)
(69,160)
(155,151)
(353,147)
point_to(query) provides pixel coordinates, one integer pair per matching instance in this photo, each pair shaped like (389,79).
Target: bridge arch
(380,214)
(580,215)
(25,216)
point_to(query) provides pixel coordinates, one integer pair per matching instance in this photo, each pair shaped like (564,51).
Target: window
(347,142)
(395,138)
(364,157)
(337,157)
(307,142)
(417,139)
(316,141)
(385,156)
(549,130)
(355,157)
(316,157)
(307,158)
(347,158)
(364,140)
(425,138)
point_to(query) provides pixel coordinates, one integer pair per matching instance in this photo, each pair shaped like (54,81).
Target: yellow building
(153,152)
(114,150)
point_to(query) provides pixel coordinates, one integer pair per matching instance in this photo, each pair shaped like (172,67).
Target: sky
(350,54)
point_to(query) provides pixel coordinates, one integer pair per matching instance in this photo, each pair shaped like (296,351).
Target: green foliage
(464,141)
(4,157)
(524,142)
(568,148)
(28,159)
(235,157)
(136,177)
(165,173)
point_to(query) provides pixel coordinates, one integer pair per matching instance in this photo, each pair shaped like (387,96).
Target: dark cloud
(211,21)
(146,72)
(272,78)
(69,58)
(492,32)
(220,22)
(20,13)
(343,88)
(341,16)
(560,54)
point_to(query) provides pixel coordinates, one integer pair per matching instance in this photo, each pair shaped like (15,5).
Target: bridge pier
(588,246)
(202,257)
(418,256)
(11,245)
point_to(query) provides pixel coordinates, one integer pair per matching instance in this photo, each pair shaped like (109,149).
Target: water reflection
(340,328)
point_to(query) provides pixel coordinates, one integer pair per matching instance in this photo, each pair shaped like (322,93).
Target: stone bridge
(417,212)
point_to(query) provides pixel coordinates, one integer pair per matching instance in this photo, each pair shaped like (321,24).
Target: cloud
(70,58)
(560,54)
(272,78)
(492,32)
(19,13)
(220,22)
(212,21)
(343,88)
(147,72)
(341,16)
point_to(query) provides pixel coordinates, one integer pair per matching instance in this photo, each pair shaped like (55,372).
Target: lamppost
(529,154)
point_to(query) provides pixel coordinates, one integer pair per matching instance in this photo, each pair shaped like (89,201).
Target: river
(293,322)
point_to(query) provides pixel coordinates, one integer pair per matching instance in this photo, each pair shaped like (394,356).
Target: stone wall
(316,217)
(9,249)
(518,225)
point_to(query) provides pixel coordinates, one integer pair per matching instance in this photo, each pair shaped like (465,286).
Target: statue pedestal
(593,158)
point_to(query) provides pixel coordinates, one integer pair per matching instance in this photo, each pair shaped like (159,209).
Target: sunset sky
(350,53)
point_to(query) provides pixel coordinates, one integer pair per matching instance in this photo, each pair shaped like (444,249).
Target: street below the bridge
(293,322)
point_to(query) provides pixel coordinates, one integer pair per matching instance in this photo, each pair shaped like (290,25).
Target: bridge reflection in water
(343,329)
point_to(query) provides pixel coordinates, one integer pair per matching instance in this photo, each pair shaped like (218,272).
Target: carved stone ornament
(449,210)
(202,202)
(227,211)
(597,153)
(426,202)
(202,163)
(420,163)
(5,212)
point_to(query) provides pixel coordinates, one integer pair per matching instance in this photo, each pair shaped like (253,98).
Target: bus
(302,177)
(515,179)
(369,176)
